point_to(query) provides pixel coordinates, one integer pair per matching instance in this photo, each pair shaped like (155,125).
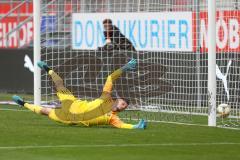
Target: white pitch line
(170,122)
(187,124)
(15,110)
(116,145)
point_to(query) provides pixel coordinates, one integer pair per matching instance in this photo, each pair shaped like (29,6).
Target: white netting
(172,72)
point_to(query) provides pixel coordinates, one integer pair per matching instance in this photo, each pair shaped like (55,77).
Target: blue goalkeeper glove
(142,124)
(131,65)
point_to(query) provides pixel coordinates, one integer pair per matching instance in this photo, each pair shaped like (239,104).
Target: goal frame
(211,58)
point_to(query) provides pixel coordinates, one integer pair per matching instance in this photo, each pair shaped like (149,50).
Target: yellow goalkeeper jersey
(75,111)
(70,110)
(109,119)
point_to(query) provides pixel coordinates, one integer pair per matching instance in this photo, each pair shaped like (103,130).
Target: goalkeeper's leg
(62,92)
(64,95)
(35,108)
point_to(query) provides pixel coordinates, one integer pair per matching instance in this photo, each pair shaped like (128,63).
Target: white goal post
(183,70)
(37,50)
(212,62)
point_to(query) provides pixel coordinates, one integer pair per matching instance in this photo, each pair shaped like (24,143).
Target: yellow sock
(34,108)
(56,79)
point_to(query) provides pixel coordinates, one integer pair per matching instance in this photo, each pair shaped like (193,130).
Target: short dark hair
(109,21)
(126,100)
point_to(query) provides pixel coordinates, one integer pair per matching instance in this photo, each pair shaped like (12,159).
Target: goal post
(212,62)
(37,50)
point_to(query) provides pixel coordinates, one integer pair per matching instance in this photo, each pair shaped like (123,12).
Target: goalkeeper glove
(142,124)
(131,65)
(43,65)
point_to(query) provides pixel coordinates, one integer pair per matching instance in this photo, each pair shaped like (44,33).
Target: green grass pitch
(25,135)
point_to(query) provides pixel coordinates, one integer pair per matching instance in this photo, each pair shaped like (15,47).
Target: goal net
(171,47)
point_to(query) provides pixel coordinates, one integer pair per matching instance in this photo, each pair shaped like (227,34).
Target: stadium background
(25,135)
(18,27)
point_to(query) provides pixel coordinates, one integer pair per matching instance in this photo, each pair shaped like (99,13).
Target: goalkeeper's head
(120,104)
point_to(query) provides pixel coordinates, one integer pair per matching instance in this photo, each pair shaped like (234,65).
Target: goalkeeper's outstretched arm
(116,122)
(110,81)
(116,74)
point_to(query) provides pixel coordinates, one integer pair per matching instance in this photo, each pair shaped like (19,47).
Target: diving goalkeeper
(101,111)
